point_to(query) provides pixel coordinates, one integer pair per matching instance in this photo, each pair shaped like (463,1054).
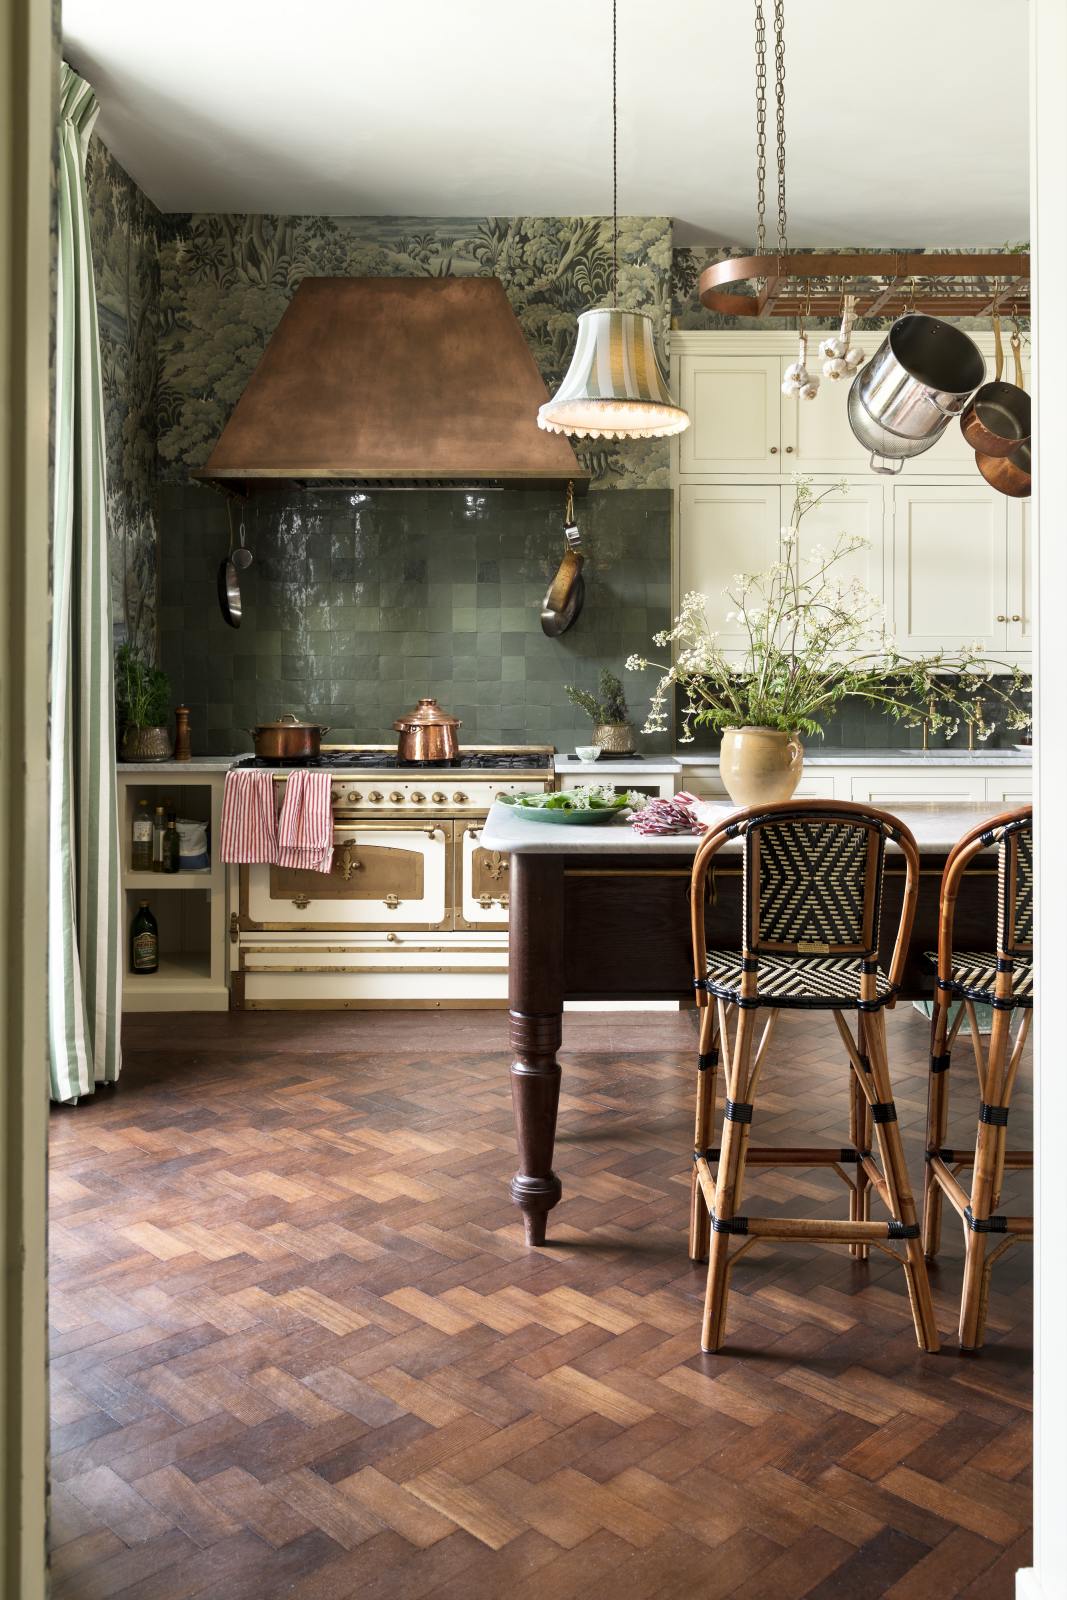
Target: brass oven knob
(459,798)
(374,795)
(438,798)
(396,798)
(354,797)
(417,798)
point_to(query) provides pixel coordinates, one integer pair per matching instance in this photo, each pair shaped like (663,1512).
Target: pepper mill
(182,748)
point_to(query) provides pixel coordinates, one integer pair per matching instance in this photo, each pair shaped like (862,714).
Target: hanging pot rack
(814,284)
(792,285)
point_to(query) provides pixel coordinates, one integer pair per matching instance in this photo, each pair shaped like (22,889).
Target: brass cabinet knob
(354,797)
(774,449)
(789,449)
(1015,617)
(374,795)
(1001,617)
(396,798)
(459,798)
(438,798)
(417,798)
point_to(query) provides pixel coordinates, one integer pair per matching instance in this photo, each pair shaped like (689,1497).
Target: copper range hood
(393,383)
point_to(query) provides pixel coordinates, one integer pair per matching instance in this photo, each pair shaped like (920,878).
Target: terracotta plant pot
(760,765)
(146,744)
(617,738)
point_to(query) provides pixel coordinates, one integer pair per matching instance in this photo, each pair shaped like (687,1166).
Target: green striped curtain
(85,912)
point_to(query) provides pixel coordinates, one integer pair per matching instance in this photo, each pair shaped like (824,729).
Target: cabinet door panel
(733,405)
(890,791)
(725,529)
(1020,576)
(859,512)
(948,563)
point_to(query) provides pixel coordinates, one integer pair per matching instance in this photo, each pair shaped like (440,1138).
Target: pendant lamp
(614,387)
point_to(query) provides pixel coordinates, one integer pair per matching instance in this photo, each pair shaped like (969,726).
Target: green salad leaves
(592,797)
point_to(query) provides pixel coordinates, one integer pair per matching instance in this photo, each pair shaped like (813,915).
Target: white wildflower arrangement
(814,639)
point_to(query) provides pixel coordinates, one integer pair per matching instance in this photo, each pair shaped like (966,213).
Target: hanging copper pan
(997,418)
(1009,474)
(563,602)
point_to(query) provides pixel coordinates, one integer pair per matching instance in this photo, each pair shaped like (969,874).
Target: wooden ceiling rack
(885,284)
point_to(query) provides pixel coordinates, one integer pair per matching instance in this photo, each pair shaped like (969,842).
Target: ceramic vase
(617,738)
(760,765)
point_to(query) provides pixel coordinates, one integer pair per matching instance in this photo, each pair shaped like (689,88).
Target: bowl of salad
(586,805)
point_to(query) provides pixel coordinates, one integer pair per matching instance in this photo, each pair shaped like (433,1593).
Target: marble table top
(936,826)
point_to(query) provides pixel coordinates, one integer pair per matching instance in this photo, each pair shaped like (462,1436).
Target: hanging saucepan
(229,589)
(1009,474)
(997,419)
(563,602)
(923,373)
(883,445)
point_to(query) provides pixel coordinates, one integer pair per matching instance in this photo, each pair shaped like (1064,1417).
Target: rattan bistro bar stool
(1005,982)
(811,906)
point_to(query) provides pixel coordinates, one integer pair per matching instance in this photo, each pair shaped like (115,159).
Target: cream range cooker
(413,913)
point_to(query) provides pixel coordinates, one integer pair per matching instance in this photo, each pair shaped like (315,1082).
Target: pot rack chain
(761,124)
(779,94)
(615,154)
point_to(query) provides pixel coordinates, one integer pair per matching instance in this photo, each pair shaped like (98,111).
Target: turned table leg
(535,992)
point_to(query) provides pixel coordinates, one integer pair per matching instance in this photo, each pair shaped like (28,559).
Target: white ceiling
(906,119)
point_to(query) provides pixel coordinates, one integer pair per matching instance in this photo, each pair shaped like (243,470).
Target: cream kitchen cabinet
(1019,607)
(725,529)
(892,789)
(735,413)
(949,567)
(728,528)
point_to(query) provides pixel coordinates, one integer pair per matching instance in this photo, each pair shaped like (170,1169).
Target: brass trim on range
(445,925)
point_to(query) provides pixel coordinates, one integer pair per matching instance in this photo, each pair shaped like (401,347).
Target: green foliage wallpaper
(124,228)
(225,281)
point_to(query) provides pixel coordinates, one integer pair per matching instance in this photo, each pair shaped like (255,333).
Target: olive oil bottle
(144,941)
(141,842)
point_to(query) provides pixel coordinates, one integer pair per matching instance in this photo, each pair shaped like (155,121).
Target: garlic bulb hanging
(797,381)
(840,360)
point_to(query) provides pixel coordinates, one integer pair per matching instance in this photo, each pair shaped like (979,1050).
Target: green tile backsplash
(356,605)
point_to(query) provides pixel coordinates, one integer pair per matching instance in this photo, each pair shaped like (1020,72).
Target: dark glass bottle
(144,941)
(172,846)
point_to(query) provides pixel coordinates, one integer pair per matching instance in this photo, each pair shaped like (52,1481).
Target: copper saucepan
(288,739)
(997,418)
(428,733)
(1009,474)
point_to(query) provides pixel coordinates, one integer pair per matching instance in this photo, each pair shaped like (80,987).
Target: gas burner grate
(378,760)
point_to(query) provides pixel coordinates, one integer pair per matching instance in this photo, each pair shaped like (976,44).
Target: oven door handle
(430,829)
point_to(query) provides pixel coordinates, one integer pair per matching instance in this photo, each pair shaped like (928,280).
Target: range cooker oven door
(482,892)
(384,875)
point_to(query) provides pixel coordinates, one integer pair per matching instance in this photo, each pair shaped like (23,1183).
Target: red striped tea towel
(305,823)
(249,828)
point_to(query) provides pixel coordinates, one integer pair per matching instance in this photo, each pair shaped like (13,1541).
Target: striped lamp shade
(614,388)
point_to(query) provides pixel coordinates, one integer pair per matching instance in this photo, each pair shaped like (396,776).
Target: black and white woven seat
(806,983)
(810,936)
(974,977)
(1002,979)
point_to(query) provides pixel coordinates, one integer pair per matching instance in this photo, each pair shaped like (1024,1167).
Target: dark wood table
(602,914)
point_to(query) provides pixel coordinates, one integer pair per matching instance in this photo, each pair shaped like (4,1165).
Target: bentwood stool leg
(729,1178)
(859,1199)
(936,1121)
(707,1072)
(902,1204)
(988,1169)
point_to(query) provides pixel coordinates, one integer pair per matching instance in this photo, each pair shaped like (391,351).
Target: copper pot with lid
(428,733)
(288,739)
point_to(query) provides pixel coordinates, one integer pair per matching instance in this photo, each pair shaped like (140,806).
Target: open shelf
(183,983)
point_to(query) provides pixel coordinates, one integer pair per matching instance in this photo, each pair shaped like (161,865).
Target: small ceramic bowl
(587,752)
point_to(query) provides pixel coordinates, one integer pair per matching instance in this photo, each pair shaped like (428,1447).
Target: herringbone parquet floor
(299,1348)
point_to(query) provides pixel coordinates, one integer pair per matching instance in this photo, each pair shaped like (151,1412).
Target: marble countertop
(178,769)
(570,767)
(816,755)
(936,826)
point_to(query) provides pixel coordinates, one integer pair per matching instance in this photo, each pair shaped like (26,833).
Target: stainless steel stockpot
(885,447)
(922,373)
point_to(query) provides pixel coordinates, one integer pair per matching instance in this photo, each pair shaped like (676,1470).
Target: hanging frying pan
(563,603)
(1009,474)
(996,420)
(229,588)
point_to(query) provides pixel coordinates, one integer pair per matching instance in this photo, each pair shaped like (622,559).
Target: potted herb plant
(142,698)
(813,640)
(609,713)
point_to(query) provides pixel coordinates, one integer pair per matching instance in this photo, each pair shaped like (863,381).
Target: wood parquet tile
(299,1348)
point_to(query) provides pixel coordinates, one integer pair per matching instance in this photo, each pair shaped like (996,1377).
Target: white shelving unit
(189,907)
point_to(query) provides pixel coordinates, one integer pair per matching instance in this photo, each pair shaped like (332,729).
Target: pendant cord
(614,155)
